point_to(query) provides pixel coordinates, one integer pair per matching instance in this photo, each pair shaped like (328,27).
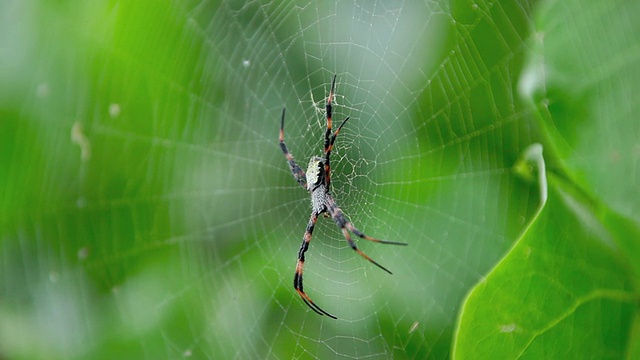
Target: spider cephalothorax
(317,181)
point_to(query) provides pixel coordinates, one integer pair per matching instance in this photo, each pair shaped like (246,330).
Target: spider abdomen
(316,184)
(315,173)
(319,199)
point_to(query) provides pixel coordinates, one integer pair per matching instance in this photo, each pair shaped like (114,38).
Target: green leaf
(585,109)
(569,287)
(561,292)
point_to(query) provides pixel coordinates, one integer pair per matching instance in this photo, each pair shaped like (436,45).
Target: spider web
(167,224)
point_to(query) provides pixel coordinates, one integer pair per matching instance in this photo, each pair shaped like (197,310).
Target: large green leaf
(569,287)
(564,291)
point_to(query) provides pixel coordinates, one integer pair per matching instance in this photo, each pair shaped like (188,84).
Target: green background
(146,210)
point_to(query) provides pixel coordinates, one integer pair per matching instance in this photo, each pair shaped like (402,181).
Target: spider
(317,181)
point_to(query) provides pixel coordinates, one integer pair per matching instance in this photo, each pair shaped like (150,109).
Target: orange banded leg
(297,279)
(297,172)
(362,235)
(327,157)
(346,226)
(328,138)
(354,247)
(329,110)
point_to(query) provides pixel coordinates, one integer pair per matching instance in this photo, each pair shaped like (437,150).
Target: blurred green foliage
(147,212)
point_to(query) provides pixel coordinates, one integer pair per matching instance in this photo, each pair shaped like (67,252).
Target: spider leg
(327,160)
(354,247)
(297,172)
(362,235)
(328,142)
(329,110)
(297,279)
(346,226)
(328,138)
